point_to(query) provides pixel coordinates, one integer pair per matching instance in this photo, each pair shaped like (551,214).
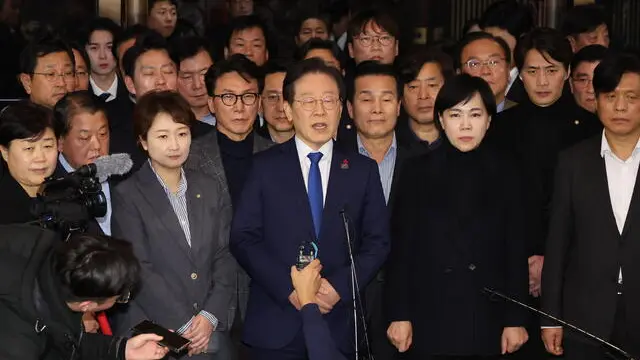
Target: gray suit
(205,157)
(177,280)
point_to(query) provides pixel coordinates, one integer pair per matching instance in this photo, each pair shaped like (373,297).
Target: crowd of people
(506,163)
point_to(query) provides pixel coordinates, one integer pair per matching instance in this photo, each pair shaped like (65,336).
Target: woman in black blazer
(29,148)
(457,228)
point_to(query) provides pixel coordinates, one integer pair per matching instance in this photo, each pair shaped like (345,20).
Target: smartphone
(170,340)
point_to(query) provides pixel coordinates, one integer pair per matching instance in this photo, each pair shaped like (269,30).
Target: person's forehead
(233,80)
(321,53)
(377,82)
(536,57)
(313,22)
(86,120)
(99,35)
(59,58)
(201,58)
(275,79)
(154,57)
(371,27)
(586,66)
(252,33)
(483,47)
(316,83)
(163,5)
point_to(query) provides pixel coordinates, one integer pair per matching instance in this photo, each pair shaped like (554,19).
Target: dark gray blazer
(177,281)
(205,157)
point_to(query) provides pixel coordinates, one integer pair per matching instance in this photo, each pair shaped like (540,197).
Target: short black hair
(83,53)
(549,42)
(591,53)
(314,44)
(94,267)
(246,22)
(307,14)
(583,18)
(72,104)
(187,47)
(338,10)
(373,68)
(469,24)
(480,35)
(100,24)
(24,120)
(151,3)
(132,32)
(44,46)
(516,18)
(237,63)
(144,43)
(276,65)
(306,67)
(609,72)
(376,16)
(460,89)
(409,66)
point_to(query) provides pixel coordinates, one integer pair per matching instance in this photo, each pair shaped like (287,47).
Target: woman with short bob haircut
(178,223)
(29,148)
(456,229)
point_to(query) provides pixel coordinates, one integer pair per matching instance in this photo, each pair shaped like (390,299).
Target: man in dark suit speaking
(293,198)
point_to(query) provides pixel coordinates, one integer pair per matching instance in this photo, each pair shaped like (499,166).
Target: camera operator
(317,338)
(29,148)
(47,285)
(81,123)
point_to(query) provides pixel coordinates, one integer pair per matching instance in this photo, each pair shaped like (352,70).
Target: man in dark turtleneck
(226,153)
(535,131)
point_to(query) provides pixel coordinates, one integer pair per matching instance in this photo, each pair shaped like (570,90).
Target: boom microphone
(107,166)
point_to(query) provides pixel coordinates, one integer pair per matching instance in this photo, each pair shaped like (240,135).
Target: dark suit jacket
(585,249)
(15,207)
(457,227)
(273,218)
(121,137)
(205,157)
(177,280)
(317,338)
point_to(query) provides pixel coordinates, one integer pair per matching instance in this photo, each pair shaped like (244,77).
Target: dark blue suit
(273,217)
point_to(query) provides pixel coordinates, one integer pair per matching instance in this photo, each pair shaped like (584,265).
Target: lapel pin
(344,165)
(577,122)
(197,196)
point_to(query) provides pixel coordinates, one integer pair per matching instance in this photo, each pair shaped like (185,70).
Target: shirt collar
(605,148)
(363,151)
(513,75)
(65,164)
(182,186)
(304,149)
(112,91)
(501,105)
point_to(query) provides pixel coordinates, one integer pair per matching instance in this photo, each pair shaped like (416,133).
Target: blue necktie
(315,191)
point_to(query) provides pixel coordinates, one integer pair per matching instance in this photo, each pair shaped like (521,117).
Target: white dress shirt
(105,221)
(324,164)
(513,75)
(621,178)
(112,91)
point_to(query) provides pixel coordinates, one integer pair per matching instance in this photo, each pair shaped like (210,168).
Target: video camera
(68,203)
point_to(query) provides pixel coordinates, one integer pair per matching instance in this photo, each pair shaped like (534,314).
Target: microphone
(585,333)
(107,166)
(355,286)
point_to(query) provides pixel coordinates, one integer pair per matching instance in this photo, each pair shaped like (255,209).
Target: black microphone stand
(585,333)
(354,291)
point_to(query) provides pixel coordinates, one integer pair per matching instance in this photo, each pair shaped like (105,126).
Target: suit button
(472,267)
(195,306)
(194,276)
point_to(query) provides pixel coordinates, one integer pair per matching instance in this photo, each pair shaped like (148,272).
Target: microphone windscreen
(115,164)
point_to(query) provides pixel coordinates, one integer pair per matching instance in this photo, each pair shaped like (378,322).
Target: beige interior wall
(135,11)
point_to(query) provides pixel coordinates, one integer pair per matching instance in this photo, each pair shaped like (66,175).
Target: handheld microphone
(585,333)
(106,166)
(355,286)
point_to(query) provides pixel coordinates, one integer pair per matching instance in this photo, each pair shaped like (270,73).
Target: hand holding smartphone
(170,340)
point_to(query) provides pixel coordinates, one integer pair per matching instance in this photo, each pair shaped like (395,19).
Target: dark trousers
(576,348)
(295,350)
(377,324)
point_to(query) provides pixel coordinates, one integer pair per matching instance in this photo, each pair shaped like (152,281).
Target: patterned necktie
(315,191)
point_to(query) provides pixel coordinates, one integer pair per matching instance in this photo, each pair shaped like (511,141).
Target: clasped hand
(199,333)
(310,287)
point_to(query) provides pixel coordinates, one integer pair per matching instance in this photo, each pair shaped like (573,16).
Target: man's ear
(350,48)
(128,81)
(210,105)
(350,108)
(226,52)
(25,80)
(5,153)
(573,43)
(288,112)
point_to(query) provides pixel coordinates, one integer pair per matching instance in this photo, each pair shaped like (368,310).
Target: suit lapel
(633,207)
(602,197)
(334,199)
(195,206)
(150,188)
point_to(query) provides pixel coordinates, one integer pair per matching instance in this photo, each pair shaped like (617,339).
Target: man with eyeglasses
(373,35)
(193,60)
(226,153)
(582,68)
(61,285)
(46,67)
(291,210)
(488,57)
(278,128)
